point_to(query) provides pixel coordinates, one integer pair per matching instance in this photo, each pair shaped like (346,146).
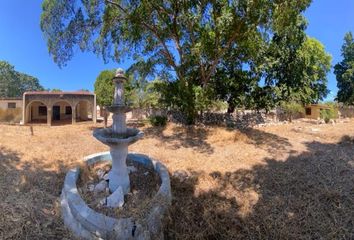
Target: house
(10,103)
(313,111)
(56,107)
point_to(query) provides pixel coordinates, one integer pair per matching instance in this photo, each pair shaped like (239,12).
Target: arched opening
(36,112)
(83,111)
(61,113)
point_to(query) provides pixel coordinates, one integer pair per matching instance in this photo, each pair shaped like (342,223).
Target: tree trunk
(105,117)
(231,108)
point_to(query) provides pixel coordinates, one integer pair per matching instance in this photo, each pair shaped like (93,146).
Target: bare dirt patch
(292,181)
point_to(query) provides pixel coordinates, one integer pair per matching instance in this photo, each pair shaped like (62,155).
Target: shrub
(292,109)
(158,120)
(328,114)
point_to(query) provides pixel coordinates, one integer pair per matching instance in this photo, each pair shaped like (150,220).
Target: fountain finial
(120,72)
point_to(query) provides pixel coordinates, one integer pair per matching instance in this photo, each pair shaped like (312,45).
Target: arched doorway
(61,113)
(36,112)
(84,111)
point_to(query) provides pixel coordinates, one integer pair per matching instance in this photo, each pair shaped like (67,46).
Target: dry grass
(11,115)
(282,182)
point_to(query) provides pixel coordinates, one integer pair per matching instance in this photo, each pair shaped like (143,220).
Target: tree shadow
(182,136)
(307,196)
(264,140)
(29,200)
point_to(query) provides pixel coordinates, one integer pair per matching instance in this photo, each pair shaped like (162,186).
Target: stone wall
(239,119)
(346,111)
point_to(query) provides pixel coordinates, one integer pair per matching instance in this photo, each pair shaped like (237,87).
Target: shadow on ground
(197,138)
(308,196)
(183,136)
(267,141)
(29,199)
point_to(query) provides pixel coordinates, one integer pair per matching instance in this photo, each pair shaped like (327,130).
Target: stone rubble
(90,187)
(100,173)
(100,187)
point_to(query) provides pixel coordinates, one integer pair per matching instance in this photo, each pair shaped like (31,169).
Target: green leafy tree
(316,63)
(104,90)
(291,109)
(344,72)
(296,66)
(183,39)
(14,83)
(56,90)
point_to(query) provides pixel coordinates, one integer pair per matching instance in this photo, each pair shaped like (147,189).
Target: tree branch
(154,31)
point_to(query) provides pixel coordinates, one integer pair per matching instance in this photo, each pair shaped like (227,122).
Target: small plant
(158,120)
(292,109)
(328,114)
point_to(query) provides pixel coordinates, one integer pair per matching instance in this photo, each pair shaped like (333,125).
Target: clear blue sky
(22,43)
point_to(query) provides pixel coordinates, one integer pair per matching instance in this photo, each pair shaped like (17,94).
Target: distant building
(313,111)
(10,103)
(49,107)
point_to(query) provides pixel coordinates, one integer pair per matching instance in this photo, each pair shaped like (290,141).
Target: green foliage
(14,84)
(158,120)
(104,88)
(182,41)
(344,72)
(331,113)
(295,65)
(291,109)
(316,64)
(56,90)
(138,92)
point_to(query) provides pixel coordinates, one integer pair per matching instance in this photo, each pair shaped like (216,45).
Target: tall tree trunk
(105,117)
(231,107)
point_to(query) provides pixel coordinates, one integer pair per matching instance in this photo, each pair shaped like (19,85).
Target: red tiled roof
(10,98)
(58,93)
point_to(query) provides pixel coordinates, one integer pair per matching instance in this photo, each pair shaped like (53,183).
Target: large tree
(186,39)
(14,83)
(295,66)
(344,72)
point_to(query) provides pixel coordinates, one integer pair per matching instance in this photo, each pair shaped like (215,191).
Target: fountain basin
(108,137)
(118,108)
(88,224)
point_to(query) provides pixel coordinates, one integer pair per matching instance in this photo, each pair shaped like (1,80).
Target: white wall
(3,103)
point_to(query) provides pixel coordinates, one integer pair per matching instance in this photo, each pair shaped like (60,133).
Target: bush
(292,109)
(158,120)
(328,114)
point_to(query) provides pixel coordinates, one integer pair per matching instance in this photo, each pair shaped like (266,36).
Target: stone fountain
(118,137)
(86,223)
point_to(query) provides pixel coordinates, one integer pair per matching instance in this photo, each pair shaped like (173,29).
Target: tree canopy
(14,83)
(344,71)
(138,91)
(248,53)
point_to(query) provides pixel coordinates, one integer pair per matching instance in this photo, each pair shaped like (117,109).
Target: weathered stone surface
(88,224)
(101,186)
(131,169)
(100,173)
(116,199)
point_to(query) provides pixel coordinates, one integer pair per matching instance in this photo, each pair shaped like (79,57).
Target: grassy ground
(291,181)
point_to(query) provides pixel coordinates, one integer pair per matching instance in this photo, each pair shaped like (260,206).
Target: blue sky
(22,43)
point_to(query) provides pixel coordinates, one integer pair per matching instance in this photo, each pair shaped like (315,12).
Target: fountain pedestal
(119,176)
(86,223)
